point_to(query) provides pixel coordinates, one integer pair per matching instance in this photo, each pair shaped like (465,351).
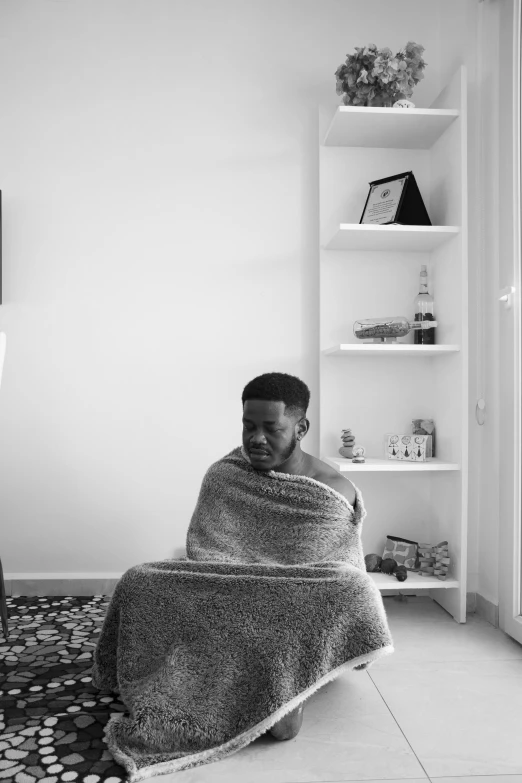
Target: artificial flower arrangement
(376,77)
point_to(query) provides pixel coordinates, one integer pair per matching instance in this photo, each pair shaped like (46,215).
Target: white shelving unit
(369,271)
(415,582)
(357,126)
(389,349)
(374,463)
(408,239)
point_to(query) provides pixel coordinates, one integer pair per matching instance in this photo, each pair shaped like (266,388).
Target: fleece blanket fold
(272,602)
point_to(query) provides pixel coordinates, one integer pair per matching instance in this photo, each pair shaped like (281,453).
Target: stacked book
(434,560)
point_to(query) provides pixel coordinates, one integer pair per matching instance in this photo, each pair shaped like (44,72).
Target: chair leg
(3,604)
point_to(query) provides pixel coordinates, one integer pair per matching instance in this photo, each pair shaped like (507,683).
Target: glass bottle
(424,311)
(388,329)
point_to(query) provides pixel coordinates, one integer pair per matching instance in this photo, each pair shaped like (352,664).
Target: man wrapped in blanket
(274,426)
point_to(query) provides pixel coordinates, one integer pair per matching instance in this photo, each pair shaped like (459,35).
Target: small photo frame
(411,448)
(395,200)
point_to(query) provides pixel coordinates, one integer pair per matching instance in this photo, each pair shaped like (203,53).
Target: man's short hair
(279,387)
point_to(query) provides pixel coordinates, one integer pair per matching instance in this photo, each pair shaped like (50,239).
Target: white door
(510,358)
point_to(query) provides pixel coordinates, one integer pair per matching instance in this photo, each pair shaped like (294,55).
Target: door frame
(509,347)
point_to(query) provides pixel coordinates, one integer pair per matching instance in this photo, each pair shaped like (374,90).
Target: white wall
(158,162)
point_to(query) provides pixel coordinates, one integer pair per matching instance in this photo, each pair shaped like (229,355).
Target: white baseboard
(487,609)
(477,604)
(61,584)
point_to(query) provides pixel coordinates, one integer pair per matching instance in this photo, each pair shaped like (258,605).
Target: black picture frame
(411,210)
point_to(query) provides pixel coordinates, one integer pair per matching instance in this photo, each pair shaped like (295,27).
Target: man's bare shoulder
(329,476)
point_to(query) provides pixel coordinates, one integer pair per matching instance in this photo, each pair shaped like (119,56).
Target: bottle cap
(423,269)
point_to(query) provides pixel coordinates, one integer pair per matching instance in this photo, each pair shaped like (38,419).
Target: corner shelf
(362,126)
(408,239)
(356,146)
(388,465)
(389,349)
(413,582)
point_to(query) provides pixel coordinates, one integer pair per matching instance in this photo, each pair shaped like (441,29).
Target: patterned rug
(51,716)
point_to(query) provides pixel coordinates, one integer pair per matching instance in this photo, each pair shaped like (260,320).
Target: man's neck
(297,465)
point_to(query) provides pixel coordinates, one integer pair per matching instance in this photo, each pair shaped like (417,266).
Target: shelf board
(363,126)
(372,464)
(408,239)
(388,349)
(413,582)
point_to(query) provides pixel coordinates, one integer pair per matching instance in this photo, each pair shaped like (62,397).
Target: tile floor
(446,705)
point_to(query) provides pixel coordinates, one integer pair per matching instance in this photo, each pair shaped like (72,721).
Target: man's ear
(303,425)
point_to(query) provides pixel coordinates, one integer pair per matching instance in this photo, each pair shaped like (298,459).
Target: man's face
(269,436)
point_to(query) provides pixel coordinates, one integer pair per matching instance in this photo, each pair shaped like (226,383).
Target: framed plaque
(395,200)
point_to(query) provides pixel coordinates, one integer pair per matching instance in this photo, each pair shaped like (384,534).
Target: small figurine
(358,454)
(389,565)
(425,427)
(374,563)
(348,440)
(403,104)
(434,560)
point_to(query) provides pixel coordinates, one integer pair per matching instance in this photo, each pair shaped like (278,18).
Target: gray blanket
(272,603)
